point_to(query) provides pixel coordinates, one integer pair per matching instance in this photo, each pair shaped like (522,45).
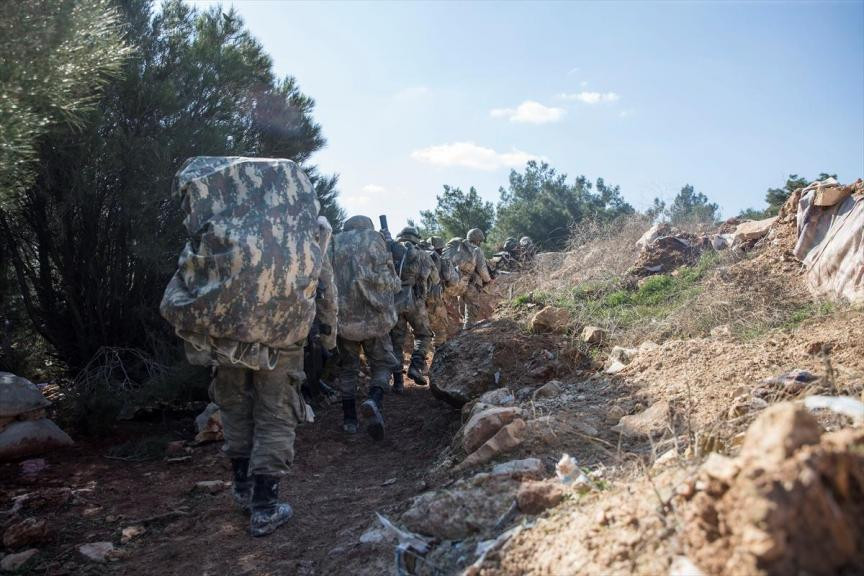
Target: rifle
(385,231)
(315,364)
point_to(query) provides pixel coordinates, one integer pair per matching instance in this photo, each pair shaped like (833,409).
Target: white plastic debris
(568,473)
(845,405)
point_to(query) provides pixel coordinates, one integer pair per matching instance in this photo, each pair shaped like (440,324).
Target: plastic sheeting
(831,240)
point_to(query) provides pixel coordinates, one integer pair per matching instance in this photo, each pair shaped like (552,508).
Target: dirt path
(336,486)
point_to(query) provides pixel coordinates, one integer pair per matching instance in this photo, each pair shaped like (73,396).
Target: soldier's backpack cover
(245,282)
(366,281)
(460,255)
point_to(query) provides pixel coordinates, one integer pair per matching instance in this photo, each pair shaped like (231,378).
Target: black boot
(349,413)
(398,383)
(416,368)
(242,490)
(371,410)
(267,512)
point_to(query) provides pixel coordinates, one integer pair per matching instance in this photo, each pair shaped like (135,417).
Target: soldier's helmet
(436,242)
(358,223)
(476,236)
(526,241)
(510,244)
(409,234)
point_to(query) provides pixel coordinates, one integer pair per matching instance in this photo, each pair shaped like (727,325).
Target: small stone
(130,533)
(593,335)
(210,486)
(667,457)
(28,531)
(720,468)
(15,562)
(614,415)
(645,424)
(176,449)
(531,467)
(97,551)
(551,319)
(722,331)
(778,433)
(375,536)
(483,426)
(614,367)
(534,497)
(92,511)
(524,393)
(648,346)
(623,355)
(499,397)
(505,440)
(548,390)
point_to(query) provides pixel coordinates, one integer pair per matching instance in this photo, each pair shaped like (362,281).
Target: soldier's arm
(327,302)
(480,266)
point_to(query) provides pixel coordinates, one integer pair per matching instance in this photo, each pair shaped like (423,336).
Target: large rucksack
(461,256)
(365,280)
(249,273)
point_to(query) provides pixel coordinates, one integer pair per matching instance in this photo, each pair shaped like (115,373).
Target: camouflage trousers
(417,318)
(439,321)
(379,356)
(473,306)
(260,410)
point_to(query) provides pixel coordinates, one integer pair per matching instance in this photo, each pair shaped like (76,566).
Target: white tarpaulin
(831,239)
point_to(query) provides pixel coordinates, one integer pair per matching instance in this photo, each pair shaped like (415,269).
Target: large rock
(650,422)
(667,253)
(483,426)
(593,335)
(15,562)
(26,533)
(752,230)
(505,440)
(26,438)
(534,496)
(551,319)
(778,432)
(19,395)
(463,509)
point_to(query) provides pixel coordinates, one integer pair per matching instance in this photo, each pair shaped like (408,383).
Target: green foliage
(691,207)
(54,57)
(94,240)
(541,204)
(455,213)
(776,197)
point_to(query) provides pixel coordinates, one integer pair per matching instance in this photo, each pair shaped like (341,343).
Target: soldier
(474,307)
(241,300)
(526,249)
(416,272)
(448,281)
(367,284)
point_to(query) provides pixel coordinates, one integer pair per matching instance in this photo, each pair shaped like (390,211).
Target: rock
(18,396)
(751,230)
(176,449)
(668,253)
(543,430)
(648,346)
(25,533)
(33,466)
(531,467)
(31,437)
(719,467)
(209,425)
(623,355)
(498,397)
(535,496)
(667,457)
(647,423)
(722,331)
(483,426)
(16,562)
(614,415)
(656,231)
(210,486)
(593,335)
(778,432)
(506,439)
(97,551)
(548,390)
(551,319)
(465,508)
(130,533)
(524,393)
(376,535)
(614,367)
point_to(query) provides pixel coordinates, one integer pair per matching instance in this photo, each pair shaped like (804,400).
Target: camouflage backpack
(365,280)
(245,283)
(460,255)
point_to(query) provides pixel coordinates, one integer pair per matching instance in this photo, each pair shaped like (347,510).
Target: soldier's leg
(278,408)
(232,392)
(397,342)
(349,366)
(473,306)
(439,323)
(382,363)
(419,321)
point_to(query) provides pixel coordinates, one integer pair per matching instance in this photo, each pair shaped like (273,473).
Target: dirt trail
(336,486)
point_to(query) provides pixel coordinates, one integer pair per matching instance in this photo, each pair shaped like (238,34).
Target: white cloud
(626,113)
(573,71)
(583,83)
(373,189)
(592,97)
(529,112)
(411,93)
(356,200)
(470,155)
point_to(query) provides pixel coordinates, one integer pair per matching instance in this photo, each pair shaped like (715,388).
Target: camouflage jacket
(327,295)
(481,275)
(448,275)
(366,282)
(417,272)
(246,282)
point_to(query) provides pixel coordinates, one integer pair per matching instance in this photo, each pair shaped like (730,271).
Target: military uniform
(417,272)
(243,300)
(436,306)
(367,283)
(475,308)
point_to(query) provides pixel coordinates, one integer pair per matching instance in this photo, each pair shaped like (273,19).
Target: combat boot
(268,513)
(242,490)
(415,370)
(371,410)
(349,413)
(398,383)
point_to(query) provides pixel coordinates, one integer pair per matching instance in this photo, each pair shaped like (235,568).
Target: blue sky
(730,97)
